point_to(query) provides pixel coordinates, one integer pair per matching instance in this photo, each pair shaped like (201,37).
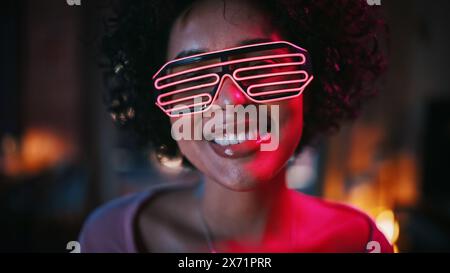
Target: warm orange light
(390,227)
(172,163)
(165,164)
(39,149)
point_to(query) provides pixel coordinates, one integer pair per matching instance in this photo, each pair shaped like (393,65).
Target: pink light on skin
(244,201)
(165,105)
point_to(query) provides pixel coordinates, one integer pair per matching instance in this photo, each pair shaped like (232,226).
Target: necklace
(209,237)
(207,232)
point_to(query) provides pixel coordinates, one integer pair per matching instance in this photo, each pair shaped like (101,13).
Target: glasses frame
(219,77)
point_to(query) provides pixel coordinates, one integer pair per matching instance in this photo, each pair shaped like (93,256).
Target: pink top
(323,226)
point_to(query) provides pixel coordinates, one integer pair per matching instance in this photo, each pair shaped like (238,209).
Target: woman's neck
(243,215)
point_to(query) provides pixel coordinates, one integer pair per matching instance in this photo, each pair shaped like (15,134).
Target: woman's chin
(240,186)
(240,181)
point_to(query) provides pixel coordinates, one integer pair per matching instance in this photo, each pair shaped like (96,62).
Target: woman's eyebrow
(191,52)
(254,41)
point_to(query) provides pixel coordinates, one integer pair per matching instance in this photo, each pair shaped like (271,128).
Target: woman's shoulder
(109,228)
(105,229)
(335,227)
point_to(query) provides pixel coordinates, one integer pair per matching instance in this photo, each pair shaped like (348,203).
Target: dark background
(60,155)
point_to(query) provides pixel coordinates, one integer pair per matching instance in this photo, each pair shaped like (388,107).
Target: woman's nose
(229,93)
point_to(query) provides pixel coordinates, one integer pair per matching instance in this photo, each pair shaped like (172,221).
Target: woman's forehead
(213,26)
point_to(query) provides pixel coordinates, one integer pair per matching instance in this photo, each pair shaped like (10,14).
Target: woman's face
(215,25)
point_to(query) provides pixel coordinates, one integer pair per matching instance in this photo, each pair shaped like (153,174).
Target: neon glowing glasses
(264,72)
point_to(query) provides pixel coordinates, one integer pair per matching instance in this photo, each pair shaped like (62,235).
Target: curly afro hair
(342,36)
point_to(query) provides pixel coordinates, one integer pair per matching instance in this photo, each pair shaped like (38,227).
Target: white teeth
(232,139)
(222,142)
(252,135)
(241,137)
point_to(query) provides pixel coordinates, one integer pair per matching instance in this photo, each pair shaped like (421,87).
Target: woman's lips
(243,149)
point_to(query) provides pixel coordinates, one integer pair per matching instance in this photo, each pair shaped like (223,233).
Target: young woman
(314,60)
